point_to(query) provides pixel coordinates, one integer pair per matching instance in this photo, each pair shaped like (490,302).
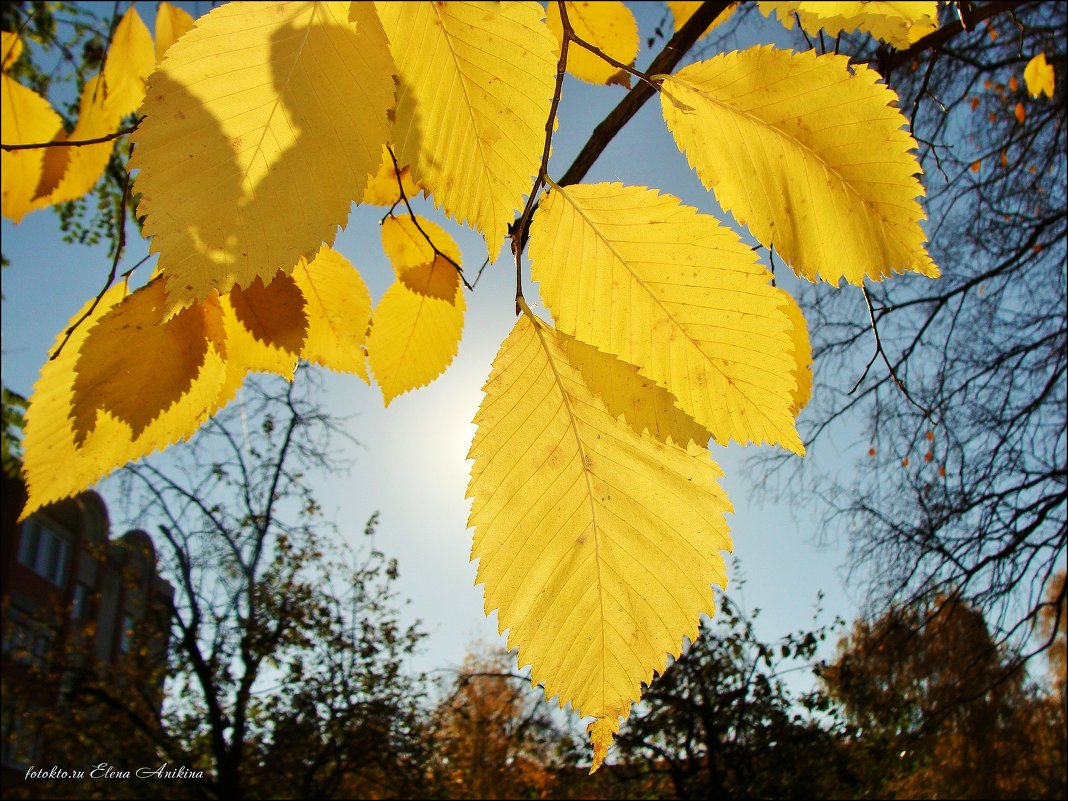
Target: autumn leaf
(473,96)
(261,127)
(638,275)
(898,23)
(413,338)
(414,260)
(810,154)
(338,307)
(25,118)
(265,326)
(597,546)
(1039,77)
(56,462)
(609,26)
(802,349)
(171,23)
(70,172)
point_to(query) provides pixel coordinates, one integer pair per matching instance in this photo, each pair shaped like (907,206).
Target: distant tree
(494,737)
(722,723)
(287,674)
(942,713)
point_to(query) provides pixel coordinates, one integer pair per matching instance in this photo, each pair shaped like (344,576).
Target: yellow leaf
(382,188)
(597,546)
(638,275)
(338,306)
(10,49)
(413,338)
(25,118)
(70,172)
(607,25)
(682,10)
(268,327)
(417,265)
(802,349)
(601,733)
(809,154)
(171,23)
(474,91)
(55,465)
(137,387)
(898,23)
(262,125)
(1038,75)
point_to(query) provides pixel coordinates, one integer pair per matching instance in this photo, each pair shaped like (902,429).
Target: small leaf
(271,326)
(382,188)
(1039,77)
(338,306)
(609,26)
(25,118)
(10,49)
(416,264)
(70,172)
(413,338)
(171,23)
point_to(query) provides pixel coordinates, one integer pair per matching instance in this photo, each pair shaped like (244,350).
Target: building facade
(82,613)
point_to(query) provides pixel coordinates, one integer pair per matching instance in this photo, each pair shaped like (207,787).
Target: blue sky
(411,466)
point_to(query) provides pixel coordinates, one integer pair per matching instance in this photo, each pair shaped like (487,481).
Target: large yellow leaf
(130,384)
(810,154)
(55,464)
(414,259)
(171,23)
(607,25)
(70,172)
(413,338)
(262,125)
(898,23)
(597,546)
(682,10)
(475,85)
(338,306)
(25,118)
(1039,77)
(638,275)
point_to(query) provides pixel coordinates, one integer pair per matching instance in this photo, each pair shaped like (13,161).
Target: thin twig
(619,65)
(519,229)
(75,142)
(111,276)
(415,220)
(880,351)
(936,51)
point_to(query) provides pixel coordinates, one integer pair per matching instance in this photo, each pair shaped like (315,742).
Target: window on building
(44,551)
(79,607)
(126,634)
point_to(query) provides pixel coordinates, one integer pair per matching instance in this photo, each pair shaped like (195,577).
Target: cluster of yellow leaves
(36,178)
(897,22)
(599,523)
